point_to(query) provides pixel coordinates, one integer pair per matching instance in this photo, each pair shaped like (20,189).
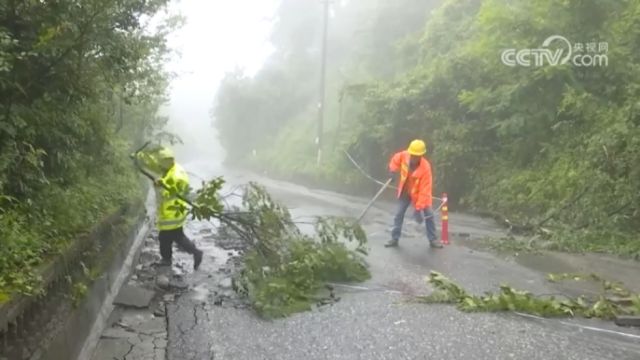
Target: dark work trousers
(403,204)
(168,237)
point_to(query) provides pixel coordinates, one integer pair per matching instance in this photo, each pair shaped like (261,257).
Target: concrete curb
(122,273)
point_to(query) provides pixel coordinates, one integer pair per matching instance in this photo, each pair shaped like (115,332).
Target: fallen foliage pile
(614,300)
(284,269)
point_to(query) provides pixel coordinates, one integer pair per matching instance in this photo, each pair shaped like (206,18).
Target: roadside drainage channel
(58,325)
(97,307)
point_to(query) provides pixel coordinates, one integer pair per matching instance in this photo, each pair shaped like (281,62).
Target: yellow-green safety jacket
(172,211)
(169,215)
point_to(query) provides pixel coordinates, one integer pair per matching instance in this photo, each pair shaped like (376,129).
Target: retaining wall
(80,285)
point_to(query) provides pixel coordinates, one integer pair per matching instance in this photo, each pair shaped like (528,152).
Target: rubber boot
(391,243)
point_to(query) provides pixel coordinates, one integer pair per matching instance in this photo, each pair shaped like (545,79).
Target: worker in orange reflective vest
(414,188)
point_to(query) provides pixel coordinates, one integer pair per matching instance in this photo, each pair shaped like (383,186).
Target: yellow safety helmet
(417,148)
(165,154)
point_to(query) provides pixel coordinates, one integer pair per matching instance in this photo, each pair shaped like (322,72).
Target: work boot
(162,263)
(197,259)
(391,243)
(436,244)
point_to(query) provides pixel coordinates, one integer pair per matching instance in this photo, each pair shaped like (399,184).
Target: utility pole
(322,81)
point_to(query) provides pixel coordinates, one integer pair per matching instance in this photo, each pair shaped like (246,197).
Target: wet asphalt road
(376,320)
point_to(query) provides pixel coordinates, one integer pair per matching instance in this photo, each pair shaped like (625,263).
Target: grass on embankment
(36,231)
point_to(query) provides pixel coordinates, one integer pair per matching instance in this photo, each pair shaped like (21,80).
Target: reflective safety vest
(172,211)
(417,183)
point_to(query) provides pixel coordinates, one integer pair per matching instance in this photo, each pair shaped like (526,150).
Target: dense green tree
(80,83)
(280,104)
(552,146)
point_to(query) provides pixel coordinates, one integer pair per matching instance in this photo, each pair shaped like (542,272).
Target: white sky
(219,36)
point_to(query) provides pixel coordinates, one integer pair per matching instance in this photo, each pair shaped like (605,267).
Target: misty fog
(217,37)
(331,152)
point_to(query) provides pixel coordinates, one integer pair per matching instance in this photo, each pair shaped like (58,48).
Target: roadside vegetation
(79,86)
(547,150)
(554,147)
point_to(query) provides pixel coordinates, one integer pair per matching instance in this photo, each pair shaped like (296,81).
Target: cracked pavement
(137,335)
(376,319)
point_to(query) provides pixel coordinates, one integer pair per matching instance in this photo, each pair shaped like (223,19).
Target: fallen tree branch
(509,299)
(283,269)
(565,206)
(612,213)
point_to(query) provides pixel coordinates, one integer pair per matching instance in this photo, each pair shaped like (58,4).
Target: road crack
(195,316)
(128,352)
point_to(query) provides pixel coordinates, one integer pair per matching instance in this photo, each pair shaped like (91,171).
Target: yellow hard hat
(417,148)
(165,154)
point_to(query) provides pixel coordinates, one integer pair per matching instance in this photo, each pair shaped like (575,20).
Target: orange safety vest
(418,183)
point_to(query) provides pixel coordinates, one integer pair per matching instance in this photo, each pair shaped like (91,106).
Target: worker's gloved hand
(418,215)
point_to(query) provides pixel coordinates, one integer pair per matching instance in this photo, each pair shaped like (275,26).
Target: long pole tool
(373,200)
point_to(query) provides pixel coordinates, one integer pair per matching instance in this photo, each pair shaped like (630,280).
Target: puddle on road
(546,262)
(202,233)
(199,293)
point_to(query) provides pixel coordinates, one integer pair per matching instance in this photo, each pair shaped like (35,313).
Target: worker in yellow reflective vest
(172,211)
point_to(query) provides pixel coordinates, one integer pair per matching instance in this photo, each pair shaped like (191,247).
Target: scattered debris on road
(509,299)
